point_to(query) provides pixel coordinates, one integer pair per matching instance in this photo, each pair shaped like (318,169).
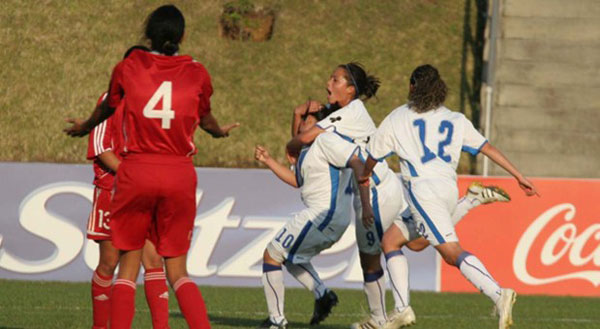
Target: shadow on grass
(232,321)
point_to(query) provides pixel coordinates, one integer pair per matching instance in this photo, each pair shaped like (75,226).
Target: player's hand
(367,216)
(227,128)
(78,129)
(309,107)
(261,154)
(527,186)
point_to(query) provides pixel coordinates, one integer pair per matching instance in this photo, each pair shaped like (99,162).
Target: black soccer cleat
(323,307)
(268,324)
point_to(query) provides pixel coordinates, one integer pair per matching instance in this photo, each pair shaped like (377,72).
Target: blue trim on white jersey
(334,174)
(299,178)
(411,168)
(299,240)
(377,214)
(379,159)
(473,151)
(428,220)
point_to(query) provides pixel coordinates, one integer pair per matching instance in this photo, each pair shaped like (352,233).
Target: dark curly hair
(428,90)
(164,28)
(364,84)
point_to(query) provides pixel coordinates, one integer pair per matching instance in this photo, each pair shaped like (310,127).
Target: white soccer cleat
(366,324)
(504,307)
(401,319)
(487,194)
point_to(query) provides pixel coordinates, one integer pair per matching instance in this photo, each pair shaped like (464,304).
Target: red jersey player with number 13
(165,97)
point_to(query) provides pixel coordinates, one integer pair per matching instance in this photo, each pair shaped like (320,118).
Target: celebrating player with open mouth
(165,96)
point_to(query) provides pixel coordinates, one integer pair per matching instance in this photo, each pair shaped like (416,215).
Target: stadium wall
(547,245)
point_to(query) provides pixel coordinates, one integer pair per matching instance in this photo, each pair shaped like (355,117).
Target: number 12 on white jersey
(166,114)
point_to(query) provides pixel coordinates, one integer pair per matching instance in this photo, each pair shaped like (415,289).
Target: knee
(449,259)
(107,266)
(388,244)
(370,263)
(154,261)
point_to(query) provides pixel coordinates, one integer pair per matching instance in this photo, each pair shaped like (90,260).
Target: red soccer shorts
(155,198)
(98,223)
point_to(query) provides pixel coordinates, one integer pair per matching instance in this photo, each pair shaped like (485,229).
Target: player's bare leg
(155,286)
(397,266)
(188,295)
(272,280)
(122,308)
(102,283)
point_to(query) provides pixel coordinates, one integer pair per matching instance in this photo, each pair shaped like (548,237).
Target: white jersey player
(428,138)
(348,83)
(313,229)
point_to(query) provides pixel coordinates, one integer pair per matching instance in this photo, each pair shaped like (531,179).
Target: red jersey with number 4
(165,98)
(105,137)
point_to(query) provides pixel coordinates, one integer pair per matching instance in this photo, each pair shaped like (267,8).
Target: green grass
(50,305)
(57,56)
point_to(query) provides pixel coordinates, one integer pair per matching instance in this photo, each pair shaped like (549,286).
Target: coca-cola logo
(565,241)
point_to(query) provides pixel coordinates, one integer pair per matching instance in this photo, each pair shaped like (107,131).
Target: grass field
(57,57)
(67,305)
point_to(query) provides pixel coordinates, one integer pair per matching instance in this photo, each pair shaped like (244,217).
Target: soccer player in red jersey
(104,148)
(165,97)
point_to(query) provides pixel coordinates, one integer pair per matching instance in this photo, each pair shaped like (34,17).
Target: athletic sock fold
(191,303)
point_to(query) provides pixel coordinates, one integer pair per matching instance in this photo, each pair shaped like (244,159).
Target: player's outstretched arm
(495,155)
(82,127)
(209,124)
(284,173)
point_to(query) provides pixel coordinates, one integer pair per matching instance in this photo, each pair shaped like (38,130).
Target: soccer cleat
(268,324)
(323,307)
(401,319)
(487,194)
(504,307)
(366,324)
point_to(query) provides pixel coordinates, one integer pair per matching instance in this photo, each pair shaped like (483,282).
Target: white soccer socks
(472,269)
(374,288)
(397,266)
(272,280)
(305,274)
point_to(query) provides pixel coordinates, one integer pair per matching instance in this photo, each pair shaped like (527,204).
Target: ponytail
(364,84)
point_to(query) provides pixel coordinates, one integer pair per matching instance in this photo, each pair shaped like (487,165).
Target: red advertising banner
(546,245)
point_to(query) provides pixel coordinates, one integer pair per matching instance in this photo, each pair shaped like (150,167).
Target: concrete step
(552,8)
(555,142)
(577,100)
(551,119)
(541,165)
(583,29)
(547,74)
(556,51)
